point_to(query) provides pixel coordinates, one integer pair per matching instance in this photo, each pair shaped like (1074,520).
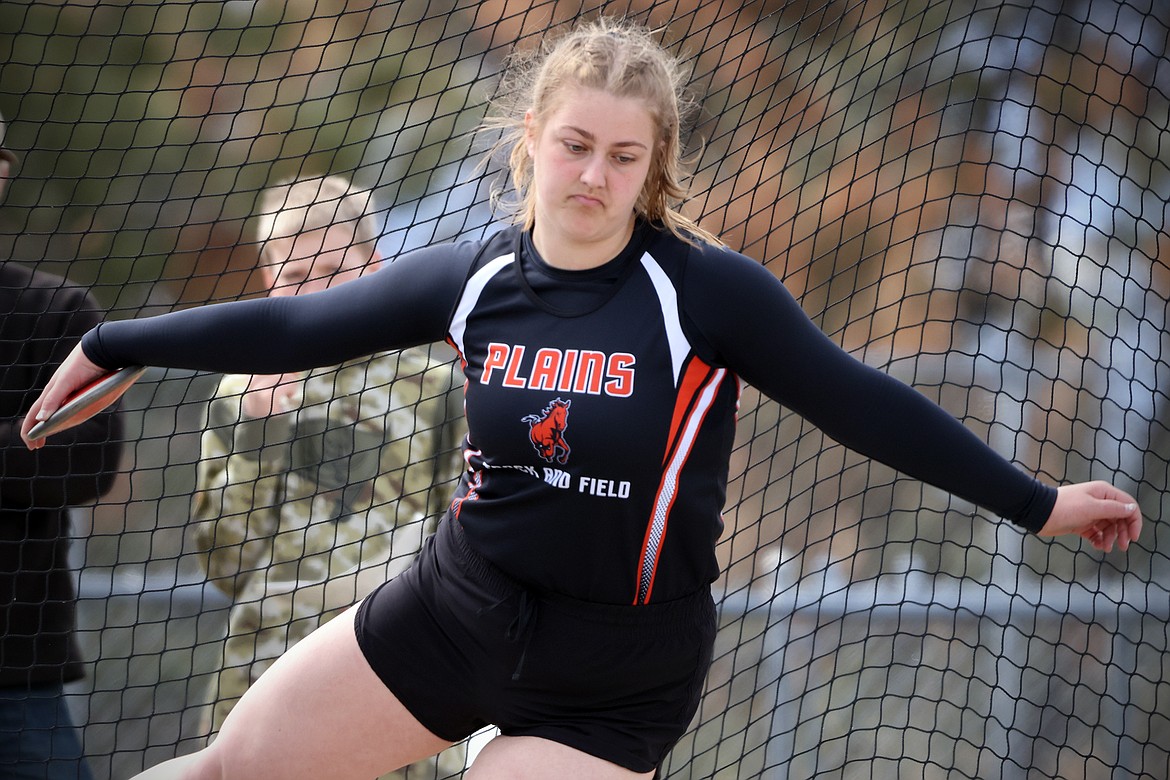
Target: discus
(87,402)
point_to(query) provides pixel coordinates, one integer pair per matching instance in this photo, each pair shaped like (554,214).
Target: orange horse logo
(547,431)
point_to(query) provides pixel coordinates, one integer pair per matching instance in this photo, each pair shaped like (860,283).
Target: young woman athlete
(565,597)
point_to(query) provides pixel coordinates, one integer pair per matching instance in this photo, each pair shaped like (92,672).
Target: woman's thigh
(320,711)
(533,758)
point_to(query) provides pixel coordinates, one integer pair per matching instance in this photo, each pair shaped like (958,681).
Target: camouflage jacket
(348,475)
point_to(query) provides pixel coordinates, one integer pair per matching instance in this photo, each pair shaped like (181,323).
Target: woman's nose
(593,173)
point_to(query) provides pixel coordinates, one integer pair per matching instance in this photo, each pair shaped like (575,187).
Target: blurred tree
(146,129)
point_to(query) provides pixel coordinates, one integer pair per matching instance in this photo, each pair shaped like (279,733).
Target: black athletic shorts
(464,646)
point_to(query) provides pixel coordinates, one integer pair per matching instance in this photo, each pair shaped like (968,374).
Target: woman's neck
(568,255)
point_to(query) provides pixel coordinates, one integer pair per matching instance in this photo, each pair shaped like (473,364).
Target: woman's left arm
(758,330)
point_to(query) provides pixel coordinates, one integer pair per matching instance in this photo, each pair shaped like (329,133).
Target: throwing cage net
(972,196)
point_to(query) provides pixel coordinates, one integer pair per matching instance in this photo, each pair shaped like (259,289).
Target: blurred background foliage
(146,129)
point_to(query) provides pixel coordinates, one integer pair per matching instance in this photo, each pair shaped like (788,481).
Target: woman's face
(590,157)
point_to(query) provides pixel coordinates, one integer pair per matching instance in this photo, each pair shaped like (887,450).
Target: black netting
(972,196)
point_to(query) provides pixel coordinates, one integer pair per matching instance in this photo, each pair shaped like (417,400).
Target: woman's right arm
(405,303)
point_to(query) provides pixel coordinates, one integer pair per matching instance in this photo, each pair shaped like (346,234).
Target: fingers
(1098,512)
(1131,528)
(1104,537)
(31,419)
(47,403)
(1126,526)
(75,372)
(1120,531)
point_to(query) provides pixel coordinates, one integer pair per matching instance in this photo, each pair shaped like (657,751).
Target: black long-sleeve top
(600,404)
(42,317)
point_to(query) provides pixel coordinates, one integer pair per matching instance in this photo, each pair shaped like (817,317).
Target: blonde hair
(292,207)
(624,60)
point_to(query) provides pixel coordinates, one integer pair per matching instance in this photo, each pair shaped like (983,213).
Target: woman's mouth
(586,200)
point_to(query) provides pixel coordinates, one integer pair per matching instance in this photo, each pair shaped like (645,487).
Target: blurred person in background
(42,317)
(315,487)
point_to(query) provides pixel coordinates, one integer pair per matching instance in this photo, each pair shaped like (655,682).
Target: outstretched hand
(74,373)
(1097,512)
